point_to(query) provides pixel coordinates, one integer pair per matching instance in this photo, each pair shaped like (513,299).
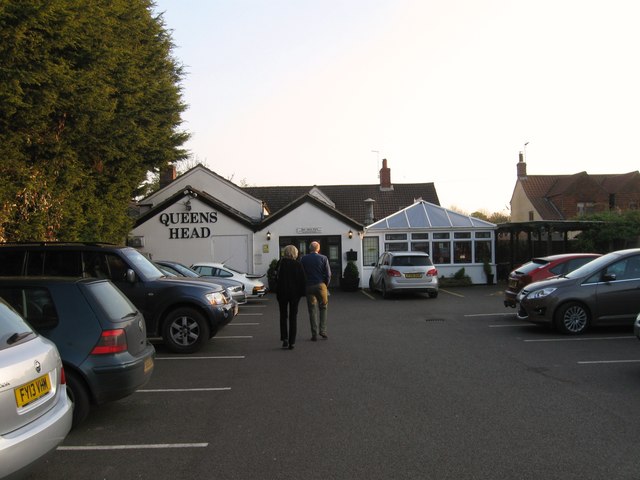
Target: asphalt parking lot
(408,388)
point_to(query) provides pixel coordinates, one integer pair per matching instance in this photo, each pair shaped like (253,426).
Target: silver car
(401,272)
(35,411)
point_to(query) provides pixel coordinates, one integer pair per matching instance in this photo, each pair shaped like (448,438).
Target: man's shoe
(314,338)
(324,335)
(285,344)
(291,345)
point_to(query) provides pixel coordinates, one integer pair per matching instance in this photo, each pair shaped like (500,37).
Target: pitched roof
(547,192)
(350,199)
(427,215)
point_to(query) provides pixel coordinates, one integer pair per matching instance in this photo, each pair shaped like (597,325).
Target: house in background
(567,197)
(547,211)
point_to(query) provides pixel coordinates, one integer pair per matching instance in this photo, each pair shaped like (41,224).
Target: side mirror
(130,276)
(609,277)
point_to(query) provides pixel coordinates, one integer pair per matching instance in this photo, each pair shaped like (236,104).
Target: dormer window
(585,208)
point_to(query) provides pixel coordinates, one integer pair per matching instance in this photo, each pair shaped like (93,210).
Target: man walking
(318,273)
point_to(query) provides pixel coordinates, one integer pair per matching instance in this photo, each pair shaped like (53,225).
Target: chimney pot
(385,176)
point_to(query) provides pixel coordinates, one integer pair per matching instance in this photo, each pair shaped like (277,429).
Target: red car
(541,268)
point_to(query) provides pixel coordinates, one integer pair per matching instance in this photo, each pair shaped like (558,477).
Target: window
(420,247)
(396,242)
(396,247)
(419,236)
(482,251)
(34,304)
(62,263)
(395,236)
(11,262)
(370,250)
(585,208)
(441,252)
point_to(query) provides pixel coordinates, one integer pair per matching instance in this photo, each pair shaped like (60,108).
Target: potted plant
(350,280)
(272,275)
(488,272)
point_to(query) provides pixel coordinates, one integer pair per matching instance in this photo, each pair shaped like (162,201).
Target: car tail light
(111,341)
(433,272)
(393,273)
(63,377)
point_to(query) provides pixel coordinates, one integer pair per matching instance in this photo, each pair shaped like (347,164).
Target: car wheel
(185,330)
(572,318)
(371,286)
(78,393)
(433,294)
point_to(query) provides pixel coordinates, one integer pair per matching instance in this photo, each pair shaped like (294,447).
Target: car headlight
(541,293)
(216,298)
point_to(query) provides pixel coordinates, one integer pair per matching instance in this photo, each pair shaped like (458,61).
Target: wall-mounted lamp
(350,234)
(268,236)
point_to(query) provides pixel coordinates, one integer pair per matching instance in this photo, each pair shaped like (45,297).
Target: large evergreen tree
(89,103)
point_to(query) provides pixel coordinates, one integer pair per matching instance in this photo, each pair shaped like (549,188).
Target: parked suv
(35,411)
(186,314)
(404,272)
(100,336)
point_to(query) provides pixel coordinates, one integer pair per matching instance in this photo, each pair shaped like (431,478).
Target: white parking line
(218,337)
(452,293)
(164,390)
(607,361)
(200,358)
(513,325)
(132,447)
(581,339)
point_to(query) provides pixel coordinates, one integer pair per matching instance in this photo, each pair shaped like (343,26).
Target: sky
(302,92)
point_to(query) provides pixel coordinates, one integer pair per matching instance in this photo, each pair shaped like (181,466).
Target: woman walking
(289,290)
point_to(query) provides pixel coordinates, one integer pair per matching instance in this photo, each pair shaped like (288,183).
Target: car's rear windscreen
(411,261)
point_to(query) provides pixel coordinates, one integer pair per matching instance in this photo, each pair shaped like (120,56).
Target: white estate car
(35,411)
(253,287)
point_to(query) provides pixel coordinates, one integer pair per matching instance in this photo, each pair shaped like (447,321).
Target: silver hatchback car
(402,272)
(35,411)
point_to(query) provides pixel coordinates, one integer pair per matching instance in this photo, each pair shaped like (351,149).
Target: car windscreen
(111,300)
(186,271)
(148,269)
(530,266)
(12,326)
(411,261)
(593,266)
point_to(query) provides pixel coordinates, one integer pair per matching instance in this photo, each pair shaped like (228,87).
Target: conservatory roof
(427,215)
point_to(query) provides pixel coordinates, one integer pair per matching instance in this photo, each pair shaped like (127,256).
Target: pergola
(544,230)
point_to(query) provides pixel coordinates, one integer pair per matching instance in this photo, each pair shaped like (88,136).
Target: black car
(186,314)
(99,333)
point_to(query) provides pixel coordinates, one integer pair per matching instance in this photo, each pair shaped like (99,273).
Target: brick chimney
(385,177)
(522,166)
(167,175)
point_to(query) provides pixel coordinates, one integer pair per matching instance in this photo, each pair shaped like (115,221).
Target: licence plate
(148,364)
(513,283)
(413,275)
(32,391)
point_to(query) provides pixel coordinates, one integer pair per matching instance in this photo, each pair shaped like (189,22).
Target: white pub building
(202,217)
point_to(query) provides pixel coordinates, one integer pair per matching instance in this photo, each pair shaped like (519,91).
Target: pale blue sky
(296,92)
